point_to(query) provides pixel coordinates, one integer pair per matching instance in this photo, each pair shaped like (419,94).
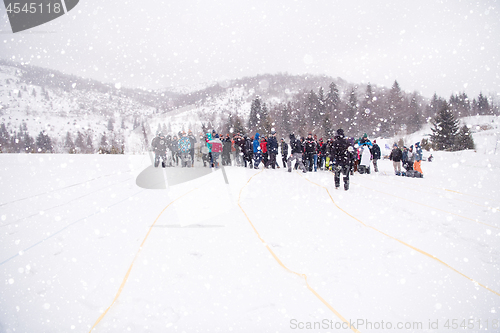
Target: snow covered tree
(464,139)
(79,142)
(89,145)
(414,118)
(29,143)
(254,120)
(69,144)
(350,121)
(44,143)
(110,124)
(104,145)
(445,129)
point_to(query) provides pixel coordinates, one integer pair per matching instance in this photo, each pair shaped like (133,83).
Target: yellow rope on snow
(404,243)
(133,261)
(288,269)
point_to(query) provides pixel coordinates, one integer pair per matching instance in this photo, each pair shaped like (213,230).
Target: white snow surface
(391,249)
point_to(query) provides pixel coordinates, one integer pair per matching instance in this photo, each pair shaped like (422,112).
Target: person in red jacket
(263,147)
(216,147)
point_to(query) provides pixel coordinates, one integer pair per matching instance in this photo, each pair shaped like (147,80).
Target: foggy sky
(441,47)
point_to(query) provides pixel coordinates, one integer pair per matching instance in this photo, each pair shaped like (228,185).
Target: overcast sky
(427,46)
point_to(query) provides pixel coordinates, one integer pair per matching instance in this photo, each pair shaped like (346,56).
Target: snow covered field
(81,245)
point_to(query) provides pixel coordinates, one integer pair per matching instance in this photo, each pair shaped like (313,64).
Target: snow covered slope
(82,246)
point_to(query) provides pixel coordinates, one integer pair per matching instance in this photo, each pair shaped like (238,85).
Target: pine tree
(464,139)
(89,146)
(366,111)
(352,112)
(483,106)
(79,142)
(415,120)
(110,124)
(255,115)
(266,122)
(44,143)
(103,146)
(445,129)
(69,144)
(29,143)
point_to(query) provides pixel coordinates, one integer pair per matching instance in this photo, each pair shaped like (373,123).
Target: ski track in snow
(66,251)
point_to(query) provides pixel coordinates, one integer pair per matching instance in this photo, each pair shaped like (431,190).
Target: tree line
(20,141)
(377,112)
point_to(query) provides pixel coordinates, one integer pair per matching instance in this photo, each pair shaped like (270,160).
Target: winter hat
(374,141)
(273,132)
(365,135)
(292,136)
(216,136)
(340,132)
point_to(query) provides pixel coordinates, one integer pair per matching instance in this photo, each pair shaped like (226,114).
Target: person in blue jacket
(257,151)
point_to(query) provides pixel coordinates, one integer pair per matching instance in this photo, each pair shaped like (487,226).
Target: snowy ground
(77,236)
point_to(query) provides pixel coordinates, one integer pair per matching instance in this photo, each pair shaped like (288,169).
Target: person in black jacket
(159,145)
(272,149)
(192,139)
(226,150)
(376,155)
(295,154)
(284,152)
(248,151)
(396,156)
(310,151)
(341,154)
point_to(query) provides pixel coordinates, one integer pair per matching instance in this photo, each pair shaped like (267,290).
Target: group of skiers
(411,159)
(340,155)
(171,150)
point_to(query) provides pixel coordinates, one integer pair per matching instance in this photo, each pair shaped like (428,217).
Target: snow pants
(345,170)
(158,156)
(397,167)
(416,166)
(257,158)
(296,157)
(272,160)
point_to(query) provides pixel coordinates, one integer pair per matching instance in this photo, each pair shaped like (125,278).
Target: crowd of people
(340,154)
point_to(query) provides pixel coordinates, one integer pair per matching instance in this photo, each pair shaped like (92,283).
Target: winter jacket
(184,145)
(174,145)
(226,146)
(159,145)
(310,146)
(248,147)
(295,145)
(340,151)
(272,145)
(365,156)
(284,149)
(376,152)
(396,155)
(263,146)
(418,152)
(216,145)
(256,144)
(192,139)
